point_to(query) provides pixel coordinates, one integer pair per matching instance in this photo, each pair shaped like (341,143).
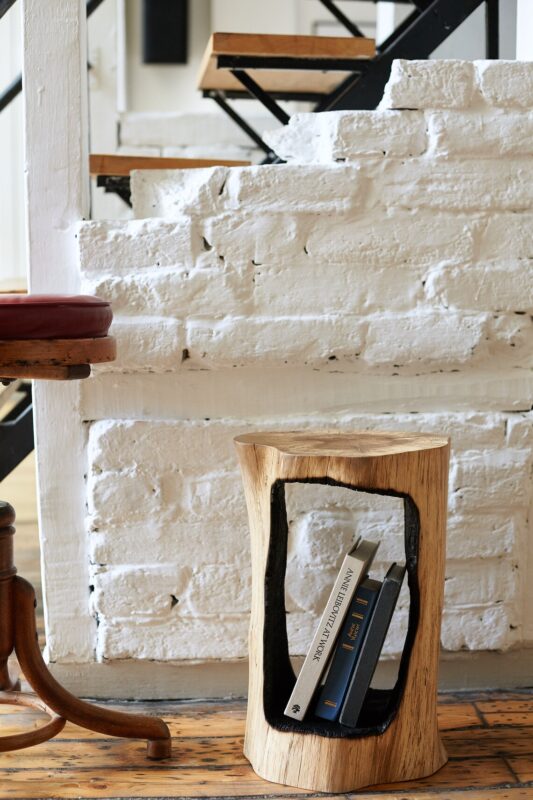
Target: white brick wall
(395,245)
(211,134)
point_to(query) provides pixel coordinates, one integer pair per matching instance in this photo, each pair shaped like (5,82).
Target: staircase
(334,73)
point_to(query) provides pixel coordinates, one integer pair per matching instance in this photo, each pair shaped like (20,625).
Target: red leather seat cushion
(42,316)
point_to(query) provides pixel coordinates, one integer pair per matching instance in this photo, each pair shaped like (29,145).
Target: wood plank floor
(489,738)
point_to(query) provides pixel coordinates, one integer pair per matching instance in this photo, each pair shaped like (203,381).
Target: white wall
(165,87)
(379,279)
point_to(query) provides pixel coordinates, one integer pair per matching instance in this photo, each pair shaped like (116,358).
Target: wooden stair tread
(281,81)
(121,165)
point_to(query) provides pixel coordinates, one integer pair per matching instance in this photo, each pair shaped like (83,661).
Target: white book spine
(324,639)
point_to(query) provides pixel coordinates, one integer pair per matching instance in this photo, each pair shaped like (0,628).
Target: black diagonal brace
(261,95)
(5,5)
(342,18)
(221,101)
(417,37)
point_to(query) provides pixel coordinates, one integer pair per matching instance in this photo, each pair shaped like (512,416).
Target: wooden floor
(489,738)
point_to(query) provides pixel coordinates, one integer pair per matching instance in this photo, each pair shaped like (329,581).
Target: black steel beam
(292,62)
(260,94)
(5,5)
(221,101)
(425,31)
(12,91)
(342,18)
(116,184)
(244,94)
(92,5)
(16,434)
(492,28)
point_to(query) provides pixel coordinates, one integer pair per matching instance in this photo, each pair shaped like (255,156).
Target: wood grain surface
(485,762)
(118,165)
(280,45)
(414,466)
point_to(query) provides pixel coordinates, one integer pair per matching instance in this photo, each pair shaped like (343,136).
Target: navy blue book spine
(347,651)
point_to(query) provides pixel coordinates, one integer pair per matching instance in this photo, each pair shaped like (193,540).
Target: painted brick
(274,341)
(193,446)
(479,535)
(145,344)
(405,253)
(192,639)
(287,187)
(244,237)
(519,430)
(486,583)
(446,338)
(491,480)
(391,238)
(119,247)
(353,287)
(123,592)
(171,193)
(479,629)
(217,588)
(508,237)
(459,184)
(429,84)
(472,134)
(214,496)
(131,495)
(488,286)
(195,543)
(175,292)
(178,129)
(336,136)
(508,84)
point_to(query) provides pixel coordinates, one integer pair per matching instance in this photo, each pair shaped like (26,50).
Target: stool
(53,338)
(397,738)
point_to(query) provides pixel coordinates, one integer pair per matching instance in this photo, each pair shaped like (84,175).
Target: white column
(524,30)
(57,196)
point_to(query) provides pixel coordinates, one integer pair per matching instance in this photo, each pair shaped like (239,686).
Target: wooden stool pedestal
(18,634)
(52,338)
(398,739)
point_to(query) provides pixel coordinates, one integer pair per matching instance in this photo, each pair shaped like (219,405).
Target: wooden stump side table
(397,738)
(53,338)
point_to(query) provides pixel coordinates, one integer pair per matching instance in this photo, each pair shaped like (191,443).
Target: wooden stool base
(18,741)
(18,633)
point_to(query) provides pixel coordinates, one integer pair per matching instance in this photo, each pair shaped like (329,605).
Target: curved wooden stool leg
(18,741)
(7,574)
(101,720)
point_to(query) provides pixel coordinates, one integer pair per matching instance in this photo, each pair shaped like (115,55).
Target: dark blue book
(372,646)
(347,650)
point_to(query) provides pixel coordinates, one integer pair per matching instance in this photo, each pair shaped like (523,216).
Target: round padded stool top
(41,316)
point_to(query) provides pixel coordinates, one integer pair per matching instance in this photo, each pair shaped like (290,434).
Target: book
(372,646)
(347,650)
(354,566)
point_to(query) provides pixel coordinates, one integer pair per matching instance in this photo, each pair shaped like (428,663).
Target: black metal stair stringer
(16,433)
(417,37)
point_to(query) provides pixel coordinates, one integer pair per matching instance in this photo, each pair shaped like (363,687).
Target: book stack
(339,666)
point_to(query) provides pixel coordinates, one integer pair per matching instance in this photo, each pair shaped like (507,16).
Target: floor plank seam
(484,723)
